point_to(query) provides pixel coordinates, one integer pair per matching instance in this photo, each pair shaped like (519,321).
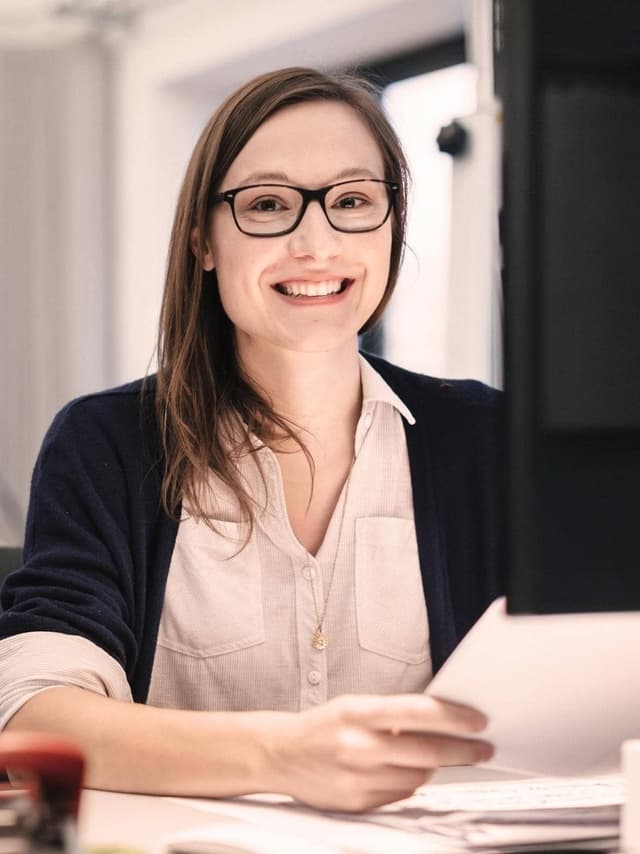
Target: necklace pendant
(319,641)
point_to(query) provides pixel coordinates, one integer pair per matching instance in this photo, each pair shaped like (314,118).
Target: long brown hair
(202,397)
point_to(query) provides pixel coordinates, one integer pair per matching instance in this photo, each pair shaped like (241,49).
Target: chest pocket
(390,605)
(213,600)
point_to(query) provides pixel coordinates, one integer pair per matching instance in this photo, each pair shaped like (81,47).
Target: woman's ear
(202,252)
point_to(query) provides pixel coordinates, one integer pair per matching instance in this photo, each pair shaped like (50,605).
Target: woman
(244,544)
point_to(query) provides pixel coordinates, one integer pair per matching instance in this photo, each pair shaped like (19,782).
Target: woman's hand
(357,752)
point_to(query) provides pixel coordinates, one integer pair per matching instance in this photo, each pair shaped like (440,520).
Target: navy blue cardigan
(98,544)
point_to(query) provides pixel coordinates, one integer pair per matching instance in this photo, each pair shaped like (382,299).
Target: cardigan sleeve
(78,573)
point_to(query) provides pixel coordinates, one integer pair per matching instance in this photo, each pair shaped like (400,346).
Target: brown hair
(202,398)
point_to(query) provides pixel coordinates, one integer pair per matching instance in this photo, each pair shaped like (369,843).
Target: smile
(313,289)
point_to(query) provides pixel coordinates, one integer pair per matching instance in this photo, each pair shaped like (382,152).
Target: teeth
(312,289)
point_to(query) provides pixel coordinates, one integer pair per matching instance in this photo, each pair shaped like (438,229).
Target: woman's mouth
(305,289)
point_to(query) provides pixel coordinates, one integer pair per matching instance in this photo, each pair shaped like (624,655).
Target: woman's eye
(351,202)
(266,205)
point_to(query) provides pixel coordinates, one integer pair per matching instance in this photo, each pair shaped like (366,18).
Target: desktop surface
(269,824)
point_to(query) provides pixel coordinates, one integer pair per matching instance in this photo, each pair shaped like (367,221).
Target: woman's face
(306,145)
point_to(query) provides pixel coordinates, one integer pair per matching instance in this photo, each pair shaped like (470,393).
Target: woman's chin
(336,341)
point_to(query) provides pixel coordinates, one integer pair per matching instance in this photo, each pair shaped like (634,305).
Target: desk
(144,822)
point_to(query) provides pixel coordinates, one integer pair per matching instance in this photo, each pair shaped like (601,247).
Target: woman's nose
(314,236)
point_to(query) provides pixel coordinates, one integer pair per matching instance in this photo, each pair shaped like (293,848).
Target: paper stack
(513,815)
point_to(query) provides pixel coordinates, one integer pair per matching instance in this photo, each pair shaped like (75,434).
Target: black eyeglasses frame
(318,195)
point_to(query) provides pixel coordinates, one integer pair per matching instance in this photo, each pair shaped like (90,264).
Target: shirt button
(308,572)
(314,677)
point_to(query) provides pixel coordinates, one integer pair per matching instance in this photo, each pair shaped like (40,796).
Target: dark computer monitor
(568,74)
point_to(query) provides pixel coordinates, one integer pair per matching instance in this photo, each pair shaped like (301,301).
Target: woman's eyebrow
(283,178)
(262,177)
(355,173)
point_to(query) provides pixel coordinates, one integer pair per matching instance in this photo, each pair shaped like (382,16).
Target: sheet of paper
(279,814)
(479,837)
(535,793)
(561,691)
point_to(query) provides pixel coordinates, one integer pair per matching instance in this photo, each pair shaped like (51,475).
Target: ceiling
(35,22)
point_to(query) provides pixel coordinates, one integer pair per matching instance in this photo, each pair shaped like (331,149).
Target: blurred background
(101,102)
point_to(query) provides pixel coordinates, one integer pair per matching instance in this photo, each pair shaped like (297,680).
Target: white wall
(55,313)
(422,313)
(475,314)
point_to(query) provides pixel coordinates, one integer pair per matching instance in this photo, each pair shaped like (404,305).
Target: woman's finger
(412,712)
(415,750)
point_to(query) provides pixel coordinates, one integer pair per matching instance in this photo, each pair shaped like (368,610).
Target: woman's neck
(318,392)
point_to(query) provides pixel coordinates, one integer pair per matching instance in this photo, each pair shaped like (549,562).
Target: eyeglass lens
(354,206)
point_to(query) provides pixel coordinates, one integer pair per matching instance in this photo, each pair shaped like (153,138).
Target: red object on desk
(48,772)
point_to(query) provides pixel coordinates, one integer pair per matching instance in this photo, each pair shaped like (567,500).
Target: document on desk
(513,815)
(505,815)
(561,691)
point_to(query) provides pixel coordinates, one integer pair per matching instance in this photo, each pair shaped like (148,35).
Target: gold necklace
(319,640)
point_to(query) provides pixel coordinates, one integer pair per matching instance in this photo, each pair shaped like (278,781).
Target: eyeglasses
(270,210)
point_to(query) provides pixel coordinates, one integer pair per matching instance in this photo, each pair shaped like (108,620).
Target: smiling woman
(270,546)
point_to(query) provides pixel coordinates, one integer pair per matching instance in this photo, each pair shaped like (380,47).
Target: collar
(375,389)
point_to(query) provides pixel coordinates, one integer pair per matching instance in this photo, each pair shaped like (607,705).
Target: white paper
(222,838)
(535,793)
(561,691)
(509,812)
(347,833)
